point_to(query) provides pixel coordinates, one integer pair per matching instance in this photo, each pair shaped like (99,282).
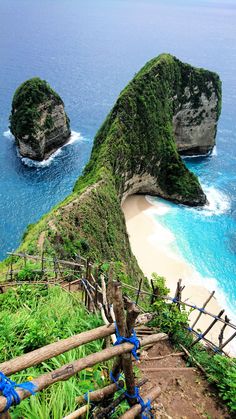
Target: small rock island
(38,120)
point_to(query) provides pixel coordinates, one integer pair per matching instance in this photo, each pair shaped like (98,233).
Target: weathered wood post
(42,263)
(11,268)
(55,266)
(124,330)
(208,329)
(178,292)
(203,307)
(139,289)
(221,335)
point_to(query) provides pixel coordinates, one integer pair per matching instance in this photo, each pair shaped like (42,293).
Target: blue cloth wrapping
(132,339)
(146,407)
(7,388)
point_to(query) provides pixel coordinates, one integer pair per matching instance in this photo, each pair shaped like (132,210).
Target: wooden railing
(120,315)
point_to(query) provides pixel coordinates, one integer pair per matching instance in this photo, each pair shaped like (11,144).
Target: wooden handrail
(53,349)
(68,370)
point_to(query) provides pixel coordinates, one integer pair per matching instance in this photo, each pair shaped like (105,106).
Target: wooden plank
(68,370)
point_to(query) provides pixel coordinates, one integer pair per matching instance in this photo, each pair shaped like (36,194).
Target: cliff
(134,151)
(38,120)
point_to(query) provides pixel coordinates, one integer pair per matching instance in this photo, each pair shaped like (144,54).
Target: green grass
(32,317)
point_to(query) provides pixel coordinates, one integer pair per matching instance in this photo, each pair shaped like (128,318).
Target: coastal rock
(169,107)
(196,116)
(38,120)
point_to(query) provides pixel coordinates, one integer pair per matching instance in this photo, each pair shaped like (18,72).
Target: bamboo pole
(168,369)
(104,412)
(100,394)
(221,335)
(53,349)
(204,305)
(208,329)
(233,326)
(155,358)
(139,289)
(137,409)
(228,340)
(78,413)
(68,370)
(193,359)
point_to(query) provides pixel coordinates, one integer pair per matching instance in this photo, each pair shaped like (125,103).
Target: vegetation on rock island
(38,121)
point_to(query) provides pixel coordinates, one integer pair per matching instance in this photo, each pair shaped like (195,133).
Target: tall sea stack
(38,120)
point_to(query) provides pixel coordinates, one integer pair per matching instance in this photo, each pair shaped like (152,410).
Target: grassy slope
(23,312)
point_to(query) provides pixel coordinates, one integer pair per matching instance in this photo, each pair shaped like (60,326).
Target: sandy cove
(150,243)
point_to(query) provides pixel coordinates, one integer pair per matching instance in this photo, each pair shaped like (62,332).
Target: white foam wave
(218,202)
(75,136)
(8,134)
(160,207)
(214,151)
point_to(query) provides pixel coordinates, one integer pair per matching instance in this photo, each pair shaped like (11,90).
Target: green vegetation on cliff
(134,152)
(25,112)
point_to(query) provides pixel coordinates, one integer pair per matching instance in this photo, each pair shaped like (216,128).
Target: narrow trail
(185,393)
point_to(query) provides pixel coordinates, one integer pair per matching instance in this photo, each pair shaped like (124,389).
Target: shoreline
(151,245)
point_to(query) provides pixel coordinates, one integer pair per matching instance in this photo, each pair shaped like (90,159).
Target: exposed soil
(185,393)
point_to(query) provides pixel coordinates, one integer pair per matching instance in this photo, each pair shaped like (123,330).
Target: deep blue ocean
(88,50)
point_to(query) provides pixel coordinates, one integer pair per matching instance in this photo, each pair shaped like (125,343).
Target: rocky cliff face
(168,107)
(38,120)
(195,118)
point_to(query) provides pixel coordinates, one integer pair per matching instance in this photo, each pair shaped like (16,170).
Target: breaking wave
(75,136)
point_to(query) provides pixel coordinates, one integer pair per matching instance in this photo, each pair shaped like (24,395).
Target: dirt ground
(185,394)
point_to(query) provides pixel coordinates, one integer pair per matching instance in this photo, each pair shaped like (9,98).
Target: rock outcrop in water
(196,114)
(135,151)
(38,120)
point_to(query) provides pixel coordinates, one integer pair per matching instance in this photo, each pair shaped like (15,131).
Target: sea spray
(75,136)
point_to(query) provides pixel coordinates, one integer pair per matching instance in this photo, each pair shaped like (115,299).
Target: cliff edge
(135,151)
(38,120)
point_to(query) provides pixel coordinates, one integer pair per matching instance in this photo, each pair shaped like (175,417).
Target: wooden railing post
(126,359)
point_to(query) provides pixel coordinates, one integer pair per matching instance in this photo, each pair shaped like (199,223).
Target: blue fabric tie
(7,388)
(132,339)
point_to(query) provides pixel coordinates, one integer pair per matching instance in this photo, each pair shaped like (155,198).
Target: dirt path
(185,393)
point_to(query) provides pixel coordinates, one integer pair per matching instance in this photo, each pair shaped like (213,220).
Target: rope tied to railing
(7,388)
(146,407)
(132,339)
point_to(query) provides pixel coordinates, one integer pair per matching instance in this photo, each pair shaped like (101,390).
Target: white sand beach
(150,243)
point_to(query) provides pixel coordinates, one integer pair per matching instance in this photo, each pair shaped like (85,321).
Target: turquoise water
(88,51)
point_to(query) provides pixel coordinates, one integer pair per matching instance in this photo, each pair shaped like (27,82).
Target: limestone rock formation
(167,103)
(195,118)
(38,120)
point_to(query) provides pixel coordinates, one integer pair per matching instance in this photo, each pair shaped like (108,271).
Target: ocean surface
(88,51)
